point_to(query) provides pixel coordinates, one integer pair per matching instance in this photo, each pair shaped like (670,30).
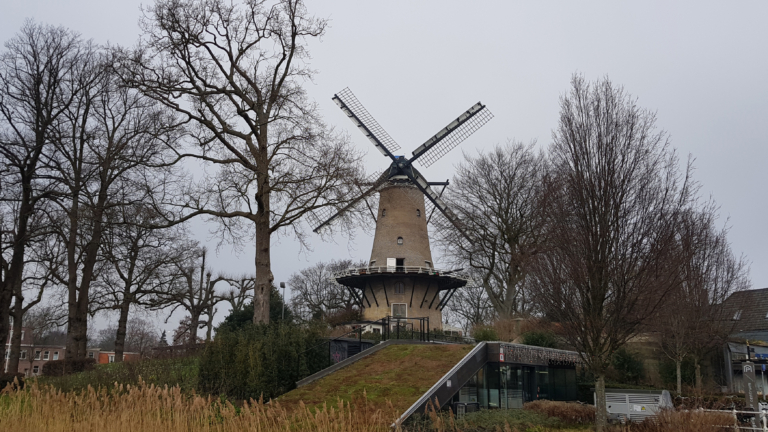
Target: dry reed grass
(684,421)
(150,408)
(568,412)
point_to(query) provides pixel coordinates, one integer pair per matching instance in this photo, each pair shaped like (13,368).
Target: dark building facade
(515,374)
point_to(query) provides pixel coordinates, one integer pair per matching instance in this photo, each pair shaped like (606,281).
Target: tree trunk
(678,371)
(122,325)
(601,415)
(194,321)
(264,275)
(18,315)
(698,375)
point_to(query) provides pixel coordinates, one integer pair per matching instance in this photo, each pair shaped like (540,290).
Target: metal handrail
(400,269)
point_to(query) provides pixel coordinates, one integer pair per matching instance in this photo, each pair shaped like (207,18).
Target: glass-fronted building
(515,374)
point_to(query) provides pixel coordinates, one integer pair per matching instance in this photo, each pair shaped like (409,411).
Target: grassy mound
(399,374)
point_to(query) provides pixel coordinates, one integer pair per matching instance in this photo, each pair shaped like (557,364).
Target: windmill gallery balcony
(444,279)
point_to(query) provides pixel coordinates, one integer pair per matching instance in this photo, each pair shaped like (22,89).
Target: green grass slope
(398,373)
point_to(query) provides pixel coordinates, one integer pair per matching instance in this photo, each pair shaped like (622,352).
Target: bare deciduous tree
(315,293)
(616,197)
(692,321)
(139,260)
(192,290)
(498,197)
(37,85)
(234,71)
(471,306)
(107,140)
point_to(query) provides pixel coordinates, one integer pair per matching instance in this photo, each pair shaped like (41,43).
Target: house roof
(753,307)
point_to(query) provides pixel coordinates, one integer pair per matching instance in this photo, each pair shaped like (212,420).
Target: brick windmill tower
(400,280)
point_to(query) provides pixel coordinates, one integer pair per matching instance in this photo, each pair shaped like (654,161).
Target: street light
(282,285)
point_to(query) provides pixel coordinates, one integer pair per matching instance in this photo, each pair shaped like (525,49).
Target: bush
(57,368)
(544,339)
(628,366)
(484,333)
(264,360)
(11,379)
(567,412)
(181,372)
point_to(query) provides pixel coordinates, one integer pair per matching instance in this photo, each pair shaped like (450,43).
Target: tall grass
(149,408)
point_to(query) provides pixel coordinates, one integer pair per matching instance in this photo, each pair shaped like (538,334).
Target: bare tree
(140,337)
(692,322)
(498,198)
(234,71)
(239,292)
(617,192)
(315,293)
(471,306)
(193,290)
(37,85)
(139,261)
(108,140)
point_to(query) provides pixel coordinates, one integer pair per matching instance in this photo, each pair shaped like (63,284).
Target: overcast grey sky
(703,66)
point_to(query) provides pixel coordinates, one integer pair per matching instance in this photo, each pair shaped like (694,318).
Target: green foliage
(68,366)
(540,339)
(668,372)
(266,360)
(485,333)
(180,372)
(239,318)
(628,366)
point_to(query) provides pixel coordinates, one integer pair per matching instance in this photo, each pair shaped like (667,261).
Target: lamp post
(282,285)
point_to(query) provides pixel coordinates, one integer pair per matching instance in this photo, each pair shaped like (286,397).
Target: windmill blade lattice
(322,217)
(429,153)
(352,107)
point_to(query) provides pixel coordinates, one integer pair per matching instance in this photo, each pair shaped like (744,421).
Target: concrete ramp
(402,373)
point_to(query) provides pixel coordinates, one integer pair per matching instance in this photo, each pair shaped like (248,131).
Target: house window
(399,288)
(112,358)
(37,354)
(55,355)
(46,355)
(90,354)
(35,369)
(418,213)
(737,315)
(398,310)
(400,241)
(23,355)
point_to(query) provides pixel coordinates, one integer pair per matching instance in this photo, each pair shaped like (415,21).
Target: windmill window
(398,310)
(418,213)
(400,241)
(383,212)
(399,288)
(737,315)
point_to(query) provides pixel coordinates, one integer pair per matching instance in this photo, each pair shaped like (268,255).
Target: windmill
(400,269)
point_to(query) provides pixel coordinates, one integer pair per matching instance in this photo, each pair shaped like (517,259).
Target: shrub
(264,360)
(57,368)
(628,366)
(544,339)
(176,372)
(568,412)
(484,333)
(11,379)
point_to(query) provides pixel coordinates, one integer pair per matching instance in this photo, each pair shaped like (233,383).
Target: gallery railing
(400,269)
